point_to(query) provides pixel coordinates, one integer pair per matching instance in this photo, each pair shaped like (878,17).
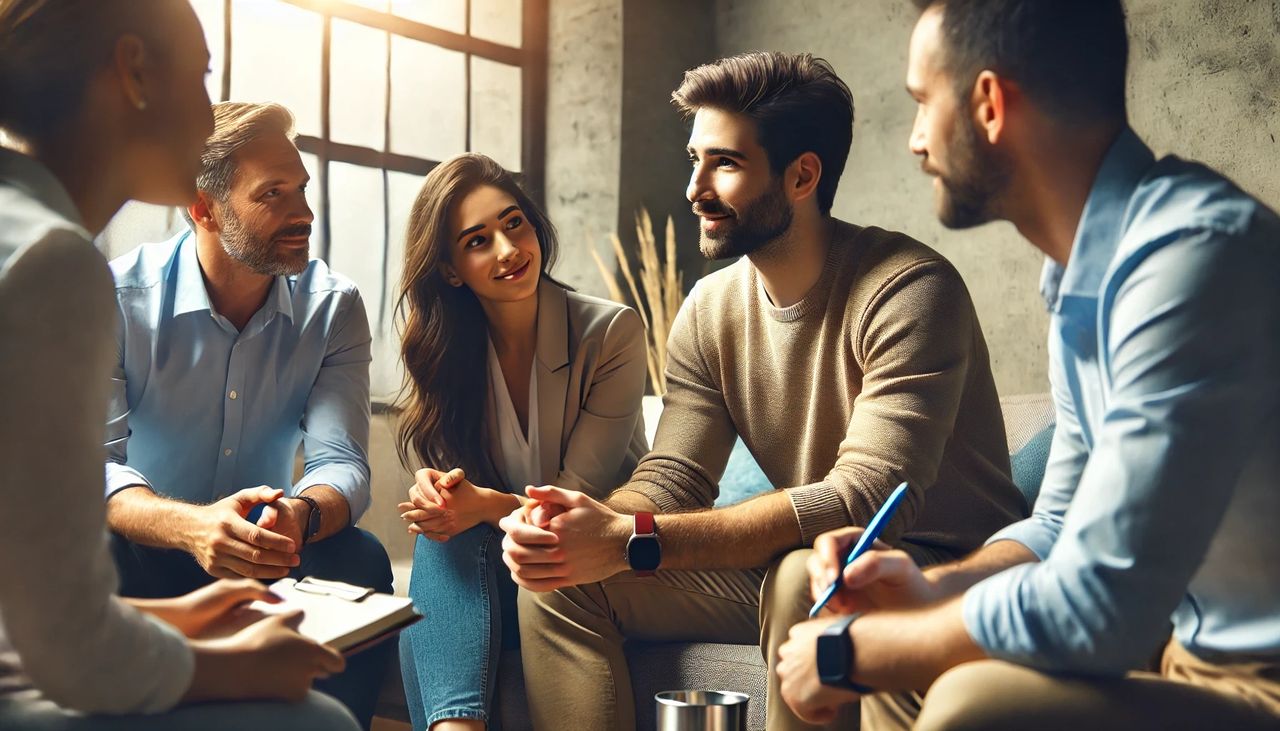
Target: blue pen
(864,543)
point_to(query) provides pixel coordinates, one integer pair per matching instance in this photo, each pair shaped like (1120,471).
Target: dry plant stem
(662,284)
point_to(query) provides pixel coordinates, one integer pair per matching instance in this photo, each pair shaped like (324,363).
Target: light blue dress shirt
(1162,494)
(200,410)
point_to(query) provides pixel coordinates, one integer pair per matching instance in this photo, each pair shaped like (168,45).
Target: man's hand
(288,517)
(266,660)
(879,579)
(798,670)
(582,540)
(228,546)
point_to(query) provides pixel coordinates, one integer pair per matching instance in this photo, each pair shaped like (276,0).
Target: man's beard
(758,224)
(259,253)
(979,175)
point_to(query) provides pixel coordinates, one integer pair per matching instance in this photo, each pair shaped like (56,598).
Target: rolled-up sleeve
(335,424)
(119,474)
(1187,389)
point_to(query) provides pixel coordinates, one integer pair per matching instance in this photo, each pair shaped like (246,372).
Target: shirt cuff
(994,617)
(119,476)
(172,653)
(346,480)
(1030,532)
(818,509)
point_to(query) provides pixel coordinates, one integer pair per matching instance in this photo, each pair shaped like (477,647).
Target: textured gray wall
(1204,83)
(584,108)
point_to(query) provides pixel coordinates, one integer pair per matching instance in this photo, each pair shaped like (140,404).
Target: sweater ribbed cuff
(818,509)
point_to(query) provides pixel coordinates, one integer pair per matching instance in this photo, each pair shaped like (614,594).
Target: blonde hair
(236,124)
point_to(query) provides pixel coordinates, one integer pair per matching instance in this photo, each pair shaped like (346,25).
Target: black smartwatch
(835,656)
(313,518)
(644,550)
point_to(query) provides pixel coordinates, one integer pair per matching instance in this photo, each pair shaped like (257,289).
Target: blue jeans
(450,659)
(351,555)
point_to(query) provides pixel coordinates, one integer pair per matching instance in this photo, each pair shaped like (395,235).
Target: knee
(537,611)
(784,597)
(969,696)
(320,712)
(355,556)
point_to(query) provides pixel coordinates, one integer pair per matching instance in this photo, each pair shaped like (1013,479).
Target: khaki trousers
(571,640)
(1187,693)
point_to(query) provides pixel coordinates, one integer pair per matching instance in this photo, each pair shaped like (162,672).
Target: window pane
(276,58)
(428,98)
(387,372)
(495,111)
(213,19)
(446,14)
(499,21)
(358,85)
(356,224)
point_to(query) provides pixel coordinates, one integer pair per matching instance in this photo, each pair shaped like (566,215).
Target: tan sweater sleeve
(913,343)
(695,434)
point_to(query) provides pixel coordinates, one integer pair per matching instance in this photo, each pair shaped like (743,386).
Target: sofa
(657,667)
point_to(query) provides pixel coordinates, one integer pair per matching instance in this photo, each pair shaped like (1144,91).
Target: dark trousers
(351,555)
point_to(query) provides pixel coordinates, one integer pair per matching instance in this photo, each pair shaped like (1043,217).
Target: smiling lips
(514,274)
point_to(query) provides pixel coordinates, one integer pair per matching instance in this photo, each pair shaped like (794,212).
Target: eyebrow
(275,182)
(720,152)
(480,226)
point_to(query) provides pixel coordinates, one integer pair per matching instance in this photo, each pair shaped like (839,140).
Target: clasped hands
(228,546)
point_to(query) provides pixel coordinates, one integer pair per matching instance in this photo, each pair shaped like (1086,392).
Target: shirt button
(226,452)
(232,395)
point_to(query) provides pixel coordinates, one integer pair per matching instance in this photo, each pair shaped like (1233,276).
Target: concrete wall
(1204,82)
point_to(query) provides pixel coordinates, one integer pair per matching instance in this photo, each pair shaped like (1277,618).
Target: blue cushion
(742,477)
(1029,463)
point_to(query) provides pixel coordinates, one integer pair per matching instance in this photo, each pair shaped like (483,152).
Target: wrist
(496,504)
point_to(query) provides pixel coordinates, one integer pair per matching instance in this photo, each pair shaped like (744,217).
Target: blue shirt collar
(1101,223)
(193,296)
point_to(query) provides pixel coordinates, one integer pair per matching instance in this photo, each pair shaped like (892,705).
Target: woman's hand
(444,504)
(194,613)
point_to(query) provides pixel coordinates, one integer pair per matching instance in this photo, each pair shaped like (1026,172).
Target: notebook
(345,617)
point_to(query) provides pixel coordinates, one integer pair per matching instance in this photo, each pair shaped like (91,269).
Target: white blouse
(515,453)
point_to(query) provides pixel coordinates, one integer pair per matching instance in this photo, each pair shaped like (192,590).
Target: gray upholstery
(674,666)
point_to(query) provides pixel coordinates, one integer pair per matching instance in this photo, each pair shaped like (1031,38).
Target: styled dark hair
(443,328)
(1068,56)
(49,49)
(797,102)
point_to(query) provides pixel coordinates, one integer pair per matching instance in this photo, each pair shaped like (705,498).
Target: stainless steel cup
(702,710)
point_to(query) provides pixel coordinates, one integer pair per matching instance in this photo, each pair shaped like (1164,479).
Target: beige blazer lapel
(553,375)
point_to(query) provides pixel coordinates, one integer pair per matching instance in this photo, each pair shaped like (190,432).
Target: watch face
(833,658)
(644,553)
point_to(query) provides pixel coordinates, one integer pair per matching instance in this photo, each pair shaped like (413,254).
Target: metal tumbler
(702,710)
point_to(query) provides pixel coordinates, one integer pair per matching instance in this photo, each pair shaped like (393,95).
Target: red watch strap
(644,524)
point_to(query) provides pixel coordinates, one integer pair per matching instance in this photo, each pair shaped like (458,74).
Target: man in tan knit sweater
(848,359)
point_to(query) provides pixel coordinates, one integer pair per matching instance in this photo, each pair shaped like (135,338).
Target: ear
(201,212)
(129,64)
(450,275)
(802,176)
(990,102)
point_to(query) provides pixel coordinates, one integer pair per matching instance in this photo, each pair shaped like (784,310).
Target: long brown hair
(443,328)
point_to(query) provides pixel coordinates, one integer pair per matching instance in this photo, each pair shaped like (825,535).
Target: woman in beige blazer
(511,380)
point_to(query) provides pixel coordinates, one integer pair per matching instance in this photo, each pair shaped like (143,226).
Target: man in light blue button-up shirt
(1161,498)
(234,348)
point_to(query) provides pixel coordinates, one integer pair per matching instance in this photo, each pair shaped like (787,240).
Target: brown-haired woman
(511,380)
(102,101)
